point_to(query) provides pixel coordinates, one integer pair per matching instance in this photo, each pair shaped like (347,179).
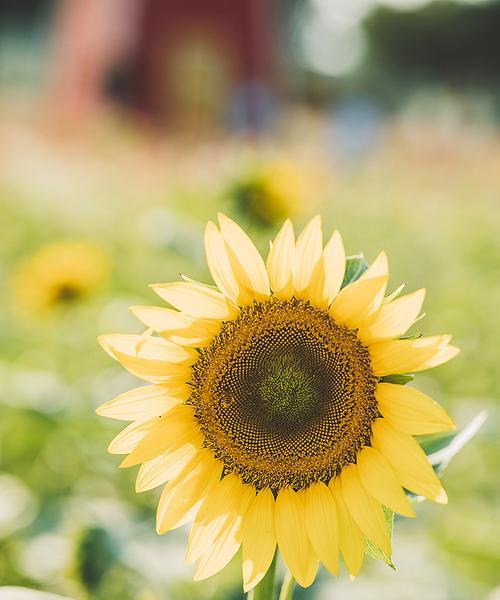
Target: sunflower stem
(287,587)
(265,589)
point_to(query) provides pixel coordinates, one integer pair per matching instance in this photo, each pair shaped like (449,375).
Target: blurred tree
(439,42)
(95,554)
(23,43)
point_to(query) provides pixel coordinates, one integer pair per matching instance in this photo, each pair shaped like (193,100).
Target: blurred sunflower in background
(59,275)
(277,415)
(267,193)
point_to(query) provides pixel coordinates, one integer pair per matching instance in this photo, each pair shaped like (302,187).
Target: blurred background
(124,126)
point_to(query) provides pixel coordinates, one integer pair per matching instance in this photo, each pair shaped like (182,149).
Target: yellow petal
(280,262)
(219,264)
(249,264)
(408,460)
(197,300)
(227,541)
(146,348)
(357,301)
(334,263)
(312,560)
(150,358)
(190,515)
(259,539)
(291,535)
(364,509)
(444,354)
(182,494)
(410,410)
(308,250)
(177,327)
(129,437)
(172,431)
(315,291)
(160,318)
(198,335)
(163,468)
(351,538)
(154,371)
(328,273)
(404,356)
(379,480)
(393,319)
(379,268)
(219,508)
(322,526)
(142,403)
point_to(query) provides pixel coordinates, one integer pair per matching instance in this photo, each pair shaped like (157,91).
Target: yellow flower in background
(268,193)
(270,420)
(59,274)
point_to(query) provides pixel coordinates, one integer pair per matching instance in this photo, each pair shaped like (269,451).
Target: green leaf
(398,379)
(95,554)
(372,550)
(287,587)
(355,266)
(441,449)
(412,336)
(434,442)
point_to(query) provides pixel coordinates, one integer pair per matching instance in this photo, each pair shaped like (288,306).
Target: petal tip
(127,462)
(249,585)
(223,218)
(442,497)
(102,340)
(210,229)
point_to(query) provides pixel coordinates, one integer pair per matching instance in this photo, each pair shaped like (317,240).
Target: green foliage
(412,336)
(356,265)
(95,554)
(455,42)
(442,448)
(398,379)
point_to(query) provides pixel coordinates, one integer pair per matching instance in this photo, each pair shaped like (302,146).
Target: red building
(192,63)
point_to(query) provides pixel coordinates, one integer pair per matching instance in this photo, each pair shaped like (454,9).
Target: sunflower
(268,193)
(271,418)
(59,274)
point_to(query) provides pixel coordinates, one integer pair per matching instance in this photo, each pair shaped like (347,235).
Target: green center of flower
(286,389)
(284,395)
(67,293)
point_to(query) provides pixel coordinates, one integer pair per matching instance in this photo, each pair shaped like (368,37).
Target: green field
(70,521)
